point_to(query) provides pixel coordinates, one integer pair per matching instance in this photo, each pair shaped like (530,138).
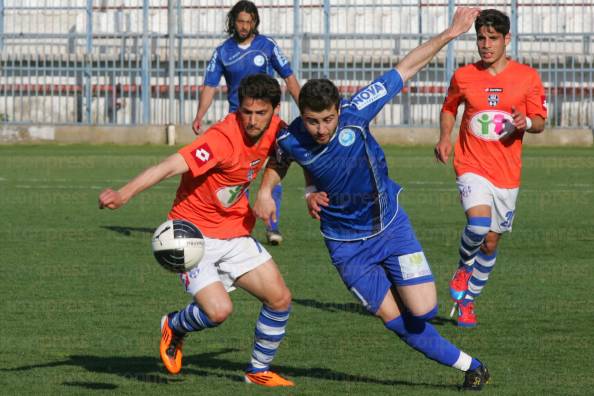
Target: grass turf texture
(82,295)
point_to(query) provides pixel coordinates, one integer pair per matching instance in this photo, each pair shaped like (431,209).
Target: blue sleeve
(279,61)
(214,70)
(367,102)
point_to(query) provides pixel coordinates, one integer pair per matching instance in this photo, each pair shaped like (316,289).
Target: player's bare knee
(281,301)
(219,312)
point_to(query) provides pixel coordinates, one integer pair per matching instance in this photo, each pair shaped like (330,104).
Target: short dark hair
(242,6)
(492,18)
(260,86)
(318,95)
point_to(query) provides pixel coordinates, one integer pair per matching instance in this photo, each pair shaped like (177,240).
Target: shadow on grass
(149,370)
(440,321)
(332,306)
(128,230)
(91,385)
(357,309)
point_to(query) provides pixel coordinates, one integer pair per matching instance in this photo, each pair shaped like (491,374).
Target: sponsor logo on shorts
(369,95)
(346,137)
(491,124)
(413,266)
(543,99)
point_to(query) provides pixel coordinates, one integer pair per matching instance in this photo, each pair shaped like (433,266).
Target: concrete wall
(157,134)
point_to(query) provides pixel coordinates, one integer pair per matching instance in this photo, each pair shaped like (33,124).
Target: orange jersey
(222,164)
(488,101)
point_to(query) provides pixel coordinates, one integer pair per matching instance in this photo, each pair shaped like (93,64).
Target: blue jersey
(235,63)
(351,168)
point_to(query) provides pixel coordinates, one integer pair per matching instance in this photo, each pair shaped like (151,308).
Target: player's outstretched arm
(171,166)
(265,207)
(205,101)
(416,59)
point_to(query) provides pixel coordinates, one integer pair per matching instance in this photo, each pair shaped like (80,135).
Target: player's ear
(507,39)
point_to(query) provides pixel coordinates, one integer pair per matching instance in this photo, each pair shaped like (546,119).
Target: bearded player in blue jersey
(369,237)
(245,53)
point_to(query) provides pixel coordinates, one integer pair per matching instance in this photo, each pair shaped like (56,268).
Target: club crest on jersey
(369,95)
(491,124)
(259,60)
(493,100)
(346,137)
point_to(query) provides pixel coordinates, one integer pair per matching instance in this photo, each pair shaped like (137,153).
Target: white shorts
(476,190)
(224,261)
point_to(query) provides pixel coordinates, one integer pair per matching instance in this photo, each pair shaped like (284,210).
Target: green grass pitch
(82,295)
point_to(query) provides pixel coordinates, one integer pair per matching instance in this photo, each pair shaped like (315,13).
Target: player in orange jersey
(216,169)
(503,99)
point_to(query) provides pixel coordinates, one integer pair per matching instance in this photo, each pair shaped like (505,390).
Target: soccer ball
(178,245)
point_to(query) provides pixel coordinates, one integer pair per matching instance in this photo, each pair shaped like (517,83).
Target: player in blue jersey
(245,53)
(369,237)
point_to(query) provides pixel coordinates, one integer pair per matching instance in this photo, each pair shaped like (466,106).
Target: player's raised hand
(315,202)
(463,20)
(110,199)
(442,150)
(519,119)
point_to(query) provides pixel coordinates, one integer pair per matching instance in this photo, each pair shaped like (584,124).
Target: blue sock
(480,274)
(189,319)
(422,336)
(270,330)
(277,195)
(472,238)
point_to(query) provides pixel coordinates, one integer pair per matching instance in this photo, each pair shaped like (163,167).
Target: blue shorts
(370,267)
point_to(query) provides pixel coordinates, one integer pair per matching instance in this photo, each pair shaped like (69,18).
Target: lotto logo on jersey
(202,154)
(369,95)
(490,125)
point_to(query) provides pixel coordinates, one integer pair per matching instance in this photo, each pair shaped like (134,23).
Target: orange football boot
(170,347)
(267,378)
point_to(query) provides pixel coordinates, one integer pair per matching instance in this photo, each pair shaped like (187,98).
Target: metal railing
(129,62)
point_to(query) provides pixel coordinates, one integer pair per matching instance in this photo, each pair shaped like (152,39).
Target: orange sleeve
(453,98)
(207,151)
(536,102)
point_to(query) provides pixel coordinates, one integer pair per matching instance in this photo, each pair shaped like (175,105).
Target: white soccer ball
(178,245)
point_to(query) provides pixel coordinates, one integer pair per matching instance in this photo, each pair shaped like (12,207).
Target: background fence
(128,62)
